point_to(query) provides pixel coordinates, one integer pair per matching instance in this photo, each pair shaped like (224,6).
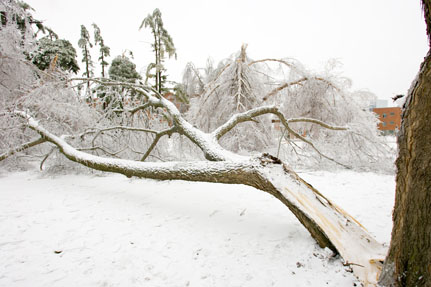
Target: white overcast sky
(380,43)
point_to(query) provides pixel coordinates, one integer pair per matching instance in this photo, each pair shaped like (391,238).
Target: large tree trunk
(409,259)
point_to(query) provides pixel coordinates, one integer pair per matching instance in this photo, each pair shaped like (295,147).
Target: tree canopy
(123,69)
(59,50)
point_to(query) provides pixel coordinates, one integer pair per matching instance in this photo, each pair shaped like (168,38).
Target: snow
(83,230)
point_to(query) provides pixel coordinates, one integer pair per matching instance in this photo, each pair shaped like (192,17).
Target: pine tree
(85,44)
(59,50)
(162,44)
(104,50)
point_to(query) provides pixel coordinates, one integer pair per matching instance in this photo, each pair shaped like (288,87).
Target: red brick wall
(390,118)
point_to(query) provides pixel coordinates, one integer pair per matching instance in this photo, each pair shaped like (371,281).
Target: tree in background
(19,77)
(408,262)
(85,44)
(19,14)
(104,50)
(162,45)
(57,52)
(123,69)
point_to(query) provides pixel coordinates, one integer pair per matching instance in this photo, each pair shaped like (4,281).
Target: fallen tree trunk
(328,224)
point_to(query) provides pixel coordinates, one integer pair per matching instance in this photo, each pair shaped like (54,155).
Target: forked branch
(251,114)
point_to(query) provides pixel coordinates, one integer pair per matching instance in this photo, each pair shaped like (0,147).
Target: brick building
(390,119)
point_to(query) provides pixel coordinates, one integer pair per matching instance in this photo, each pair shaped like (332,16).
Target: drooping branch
(22,147)
(272,60)
(298,82)
(251,114)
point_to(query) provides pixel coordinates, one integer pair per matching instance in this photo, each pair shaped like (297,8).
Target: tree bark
(409,259)
(87,68)
(408,262)
(22,147)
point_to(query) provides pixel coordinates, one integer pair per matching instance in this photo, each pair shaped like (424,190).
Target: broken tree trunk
(328,224)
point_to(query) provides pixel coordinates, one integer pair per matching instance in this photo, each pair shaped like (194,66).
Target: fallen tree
(327,223)
(38,109)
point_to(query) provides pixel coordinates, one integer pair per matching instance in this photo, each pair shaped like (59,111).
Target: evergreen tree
(58,51)
(162,44)
(85,44)
(122,69)
(104,50)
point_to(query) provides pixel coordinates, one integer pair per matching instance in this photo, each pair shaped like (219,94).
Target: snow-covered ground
(83,230)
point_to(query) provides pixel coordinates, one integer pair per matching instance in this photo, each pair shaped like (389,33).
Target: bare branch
(282,87)
(317,122)
(100,131)
(114,154)
(242,117)
(22,147)
(141,89)
(156,140)
(298,82)
(249,115)
(272,60)
(46,157)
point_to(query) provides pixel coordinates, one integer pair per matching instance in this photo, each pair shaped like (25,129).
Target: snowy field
(83,230)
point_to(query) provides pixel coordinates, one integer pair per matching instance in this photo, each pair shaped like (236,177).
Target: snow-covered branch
(210,147)
(22,147)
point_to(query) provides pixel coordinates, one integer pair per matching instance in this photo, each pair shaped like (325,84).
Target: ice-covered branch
(158,136)
(142,89)
(211,149)
(22,147)
(298,82)
(251,114)
(272,60)
(225,172)
(317,122)
(100,131)
(242,117)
